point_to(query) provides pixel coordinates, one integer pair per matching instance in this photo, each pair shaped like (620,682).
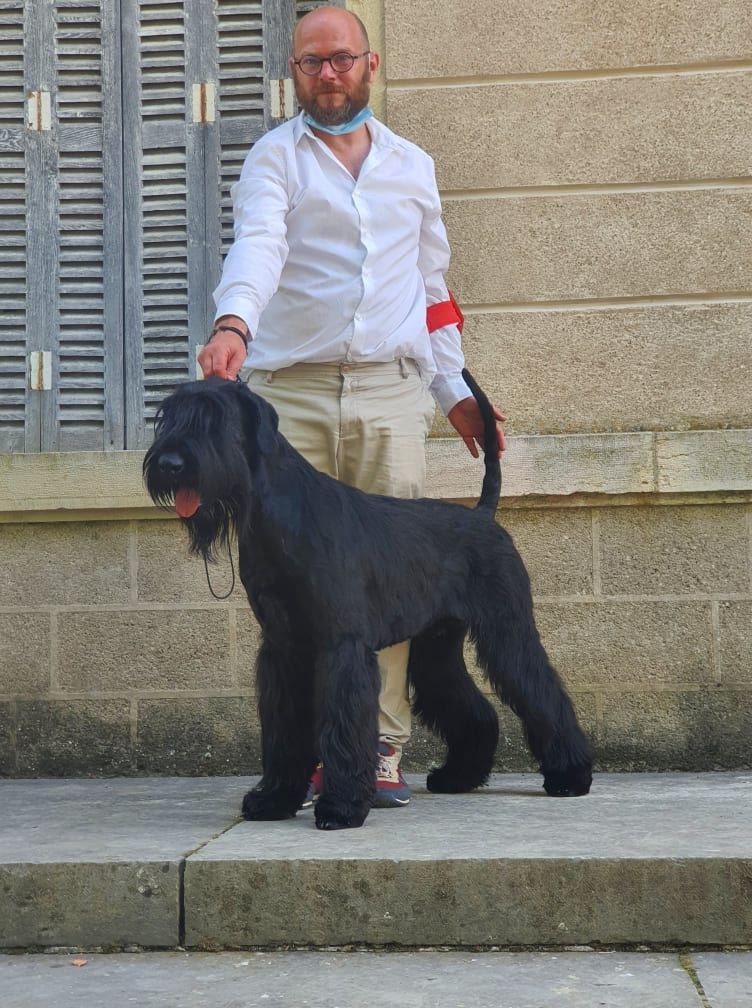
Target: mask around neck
(349,127)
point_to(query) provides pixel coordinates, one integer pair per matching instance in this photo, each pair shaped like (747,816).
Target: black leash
(221,598)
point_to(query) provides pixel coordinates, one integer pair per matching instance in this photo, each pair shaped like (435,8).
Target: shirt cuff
(448,390)
(241,308)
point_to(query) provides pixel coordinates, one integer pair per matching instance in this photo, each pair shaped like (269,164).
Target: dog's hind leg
(448,702)
(349,684)
(287,734)
(519,669)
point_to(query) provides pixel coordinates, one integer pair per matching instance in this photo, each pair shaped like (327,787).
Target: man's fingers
(471,447)
(217,361)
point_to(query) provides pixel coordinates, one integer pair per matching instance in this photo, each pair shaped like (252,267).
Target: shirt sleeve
(448,385)
(253,265)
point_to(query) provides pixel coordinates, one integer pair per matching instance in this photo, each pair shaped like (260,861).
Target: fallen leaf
(80,962)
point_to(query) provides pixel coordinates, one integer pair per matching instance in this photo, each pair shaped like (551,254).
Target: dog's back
(491,488)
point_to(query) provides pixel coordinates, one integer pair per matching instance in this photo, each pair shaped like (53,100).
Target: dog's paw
(267,806)
(332,815)
(568,783)
(446,781)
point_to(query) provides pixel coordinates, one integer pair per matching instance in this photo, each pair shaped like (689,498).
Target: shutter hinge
(282,98)
(40,370)
(204,102)
(39,111)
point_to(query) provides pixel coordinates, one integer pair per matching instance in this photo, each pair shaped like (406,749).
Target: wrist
(220,327)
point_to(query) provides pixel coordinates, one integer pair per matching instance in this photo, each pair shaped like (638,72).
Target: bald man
(339,250)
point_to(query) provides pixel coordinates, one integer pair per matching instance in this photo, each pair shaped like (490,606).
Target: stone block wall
(115,659)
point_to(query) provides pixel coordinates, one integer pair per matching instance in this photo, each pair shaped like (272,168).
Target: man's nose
(327,72)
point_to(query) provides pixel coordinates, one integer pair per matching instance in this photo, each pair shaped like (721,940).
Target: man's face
(332,98)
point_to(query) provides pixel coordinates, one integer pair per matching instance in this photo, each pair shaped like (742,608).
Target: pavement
(428,979)
(662,861)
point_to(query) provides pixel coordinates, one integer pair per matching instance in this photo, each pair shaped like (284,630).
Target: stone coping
(558,466)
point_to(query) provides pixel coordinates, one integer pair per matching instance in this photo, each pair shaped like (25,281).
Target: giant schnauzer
(333,575)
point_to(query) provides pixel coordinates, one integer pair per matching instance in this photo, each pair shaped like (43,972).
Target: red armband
(444,313)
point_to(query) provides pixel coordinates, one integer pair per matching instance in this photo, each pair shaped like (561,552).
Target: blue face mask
(348,127)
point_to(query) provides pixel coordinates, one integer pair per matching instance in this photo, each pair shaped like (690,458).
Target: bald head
(325,20)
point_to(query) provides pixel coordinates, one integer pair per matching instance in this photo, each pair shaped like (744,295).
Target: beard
(327,115)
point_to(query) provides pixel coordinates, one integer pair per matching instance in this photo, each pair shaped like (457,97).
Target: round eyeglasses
(340,62)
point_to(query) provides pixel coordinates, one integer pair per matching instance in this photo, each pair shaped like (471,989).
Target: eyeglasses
(340,62)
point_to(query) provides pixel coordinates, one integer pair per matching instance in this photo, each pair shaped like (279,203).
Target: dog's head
(210,438)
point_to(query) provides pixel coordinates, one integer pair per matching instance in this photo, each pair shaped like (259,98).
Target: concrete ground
(662,860)
(428,979)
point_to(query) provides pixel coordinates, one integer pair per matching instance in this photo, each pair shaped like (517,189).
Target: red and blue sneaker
(392,789)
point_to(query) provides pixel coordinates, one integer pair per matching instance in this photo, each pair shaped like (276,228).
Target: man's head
(332,98)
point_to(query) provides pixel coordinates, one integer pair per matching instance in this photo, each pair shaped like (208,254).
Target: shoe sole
(392,803)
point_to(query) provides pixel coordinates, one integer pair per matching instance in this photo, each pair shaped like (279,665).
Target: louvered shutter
(163,224)
(196,74)
(18,430)
(87,364)
(54,221)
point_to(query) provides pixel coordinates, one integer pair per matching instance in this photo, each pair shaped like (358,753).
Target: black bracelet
(229,328)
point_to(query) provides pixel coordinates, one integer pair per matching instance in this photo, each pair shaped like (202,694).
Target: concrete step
(657,859)
(378,980)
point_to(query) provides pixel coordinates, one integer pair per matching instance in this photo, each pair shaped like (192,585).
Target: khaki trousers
(366,425)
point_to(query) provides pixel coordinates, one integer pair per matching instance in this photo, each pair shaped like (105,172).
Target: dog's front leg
(349,681)
(287,733)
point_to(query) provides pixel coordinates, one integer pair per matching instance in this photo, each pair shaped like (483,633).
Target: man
(339,250)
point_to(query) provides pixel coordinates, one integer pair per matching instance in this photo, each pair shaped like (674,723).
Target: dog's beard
(211,529)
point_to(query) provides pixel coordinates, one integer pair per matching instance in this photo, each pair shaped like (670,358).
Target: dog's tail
(491,489)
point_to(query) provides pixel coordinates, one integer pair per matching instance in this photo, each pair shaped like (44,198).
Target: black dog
(334,575)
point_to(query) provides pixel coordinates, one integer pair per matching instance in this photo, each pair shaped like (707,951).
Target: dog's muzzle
(187,501)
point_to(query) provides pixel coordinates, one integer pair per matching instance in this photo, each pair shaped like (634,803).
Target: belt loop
(269,377)
(403,367)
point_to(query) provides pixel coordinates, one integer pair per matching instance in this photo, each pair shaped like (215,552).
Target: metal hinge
(204,102)
(39,111)
(282,95)
(40,370)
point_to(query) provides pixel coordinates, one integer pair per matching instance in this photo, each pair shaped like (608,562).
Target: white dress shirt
(325,267)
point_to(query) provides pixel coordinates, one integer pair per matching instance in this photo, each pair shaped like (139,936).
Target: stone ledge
(556,465)
(655,858)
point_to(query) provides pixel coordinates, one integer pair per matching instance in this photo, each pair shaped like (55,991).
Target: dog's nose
(171,463)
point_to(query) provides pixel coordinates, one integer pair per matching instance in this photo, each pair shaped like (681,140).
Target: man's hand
(224,355)
(465,417)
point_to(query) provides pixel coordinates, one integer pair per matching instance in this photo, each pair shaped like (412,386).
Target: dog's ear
(261,421)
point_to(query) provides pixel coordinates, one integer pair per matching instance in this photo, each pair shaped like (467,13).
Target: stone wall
(117,660)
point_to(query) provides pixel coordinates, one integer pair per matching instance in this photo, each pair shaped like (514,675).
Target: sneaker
(391,787)
(314,787)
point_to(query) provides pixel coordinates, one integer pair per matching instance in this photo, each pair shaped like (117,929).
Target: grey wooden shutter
(55,215)
(159,256)
(18,429)
(87,410)
(196,76)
